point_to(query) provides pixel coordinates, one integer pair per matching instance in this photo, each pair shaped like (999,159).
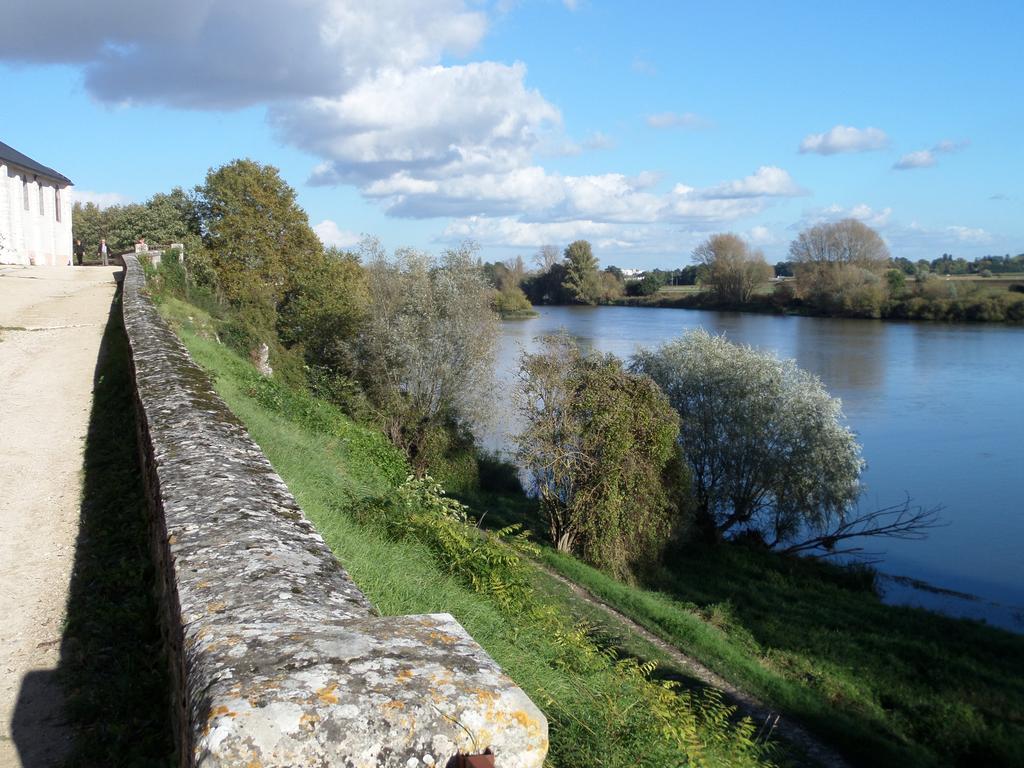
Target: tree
(546,257)
(733,270)
(255,232)
(426,349)
(596,441)
(839,267)
(323,311)
(582,281)
(767,448)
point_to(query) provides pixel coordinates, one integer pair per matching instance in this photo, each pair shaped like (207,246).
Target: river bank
(990,307)
(934,406)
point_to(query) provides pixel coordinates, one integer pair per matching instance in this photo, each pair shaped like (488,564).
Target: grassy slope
(589,715)
(890,686)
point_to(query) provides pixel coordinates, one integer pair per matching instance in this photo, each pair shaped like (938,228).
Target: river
(939,410)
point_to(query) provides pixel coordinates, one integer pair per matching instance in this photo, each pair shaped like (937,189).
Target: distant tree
(595,443)
(732,270)
(426,349)
(767,448)
(88,225)
(548,287)
(581,279)
(839,267)
(897,281)
(906,266)
(649,284)
(783,269)
(612,286)
(546,257)
(688,275)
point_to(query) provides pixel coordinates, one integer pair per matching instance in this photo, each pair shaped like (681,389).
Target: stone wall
(278,658)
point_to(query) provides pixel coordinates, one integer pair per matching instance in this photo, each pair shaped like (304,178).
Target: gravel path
(51,323)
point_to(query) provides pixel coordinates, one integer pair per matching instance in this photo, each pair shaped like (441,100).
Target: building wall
(33,236)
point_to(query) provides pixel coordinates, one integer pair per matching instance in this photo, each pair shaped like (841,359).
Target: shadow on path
(112,664)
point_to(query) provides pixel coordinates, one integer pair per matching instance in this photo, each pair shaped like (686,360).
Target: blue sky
(643,127)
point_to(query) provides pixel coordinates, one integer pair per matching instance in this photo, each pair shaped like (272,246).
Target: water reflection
(849,354)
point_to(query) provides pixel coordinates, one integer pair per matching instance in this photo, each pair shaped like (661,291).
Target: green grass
(600,712)
(112,663)
(889,686)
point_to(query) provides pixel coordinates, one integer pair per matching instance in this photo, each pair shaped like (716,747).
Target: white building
(35,211)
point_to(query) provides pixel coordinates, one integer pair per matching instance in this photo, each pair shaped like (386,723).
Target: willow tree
(767,447)
(595,444)
(425,352)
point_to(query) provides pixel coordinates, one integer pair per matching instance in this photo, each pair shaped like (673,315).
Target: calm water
(939,410)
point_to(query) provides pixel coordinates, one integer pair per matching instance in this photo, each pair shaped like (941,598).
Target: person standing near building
(102,251)
(79,251)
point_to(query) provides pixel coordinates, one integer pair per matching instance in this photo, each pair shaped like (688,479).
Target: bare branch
(899,521)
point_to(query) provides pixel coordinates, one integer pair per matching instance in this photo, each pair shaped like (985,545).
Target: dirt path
(748,705)
(51,323)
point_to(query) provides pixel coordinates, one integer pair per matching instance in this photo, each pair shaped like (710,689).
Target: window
(56,202)
(24,191)
(42,210)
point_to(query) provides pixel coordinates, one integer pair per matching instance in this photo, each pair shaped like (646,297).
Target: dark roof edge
(11,155)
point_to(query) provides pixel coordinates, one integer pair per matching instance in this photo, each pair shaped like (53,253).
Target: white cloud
(925,158)
(232,53)
(843,138)
(332,235)
(767,181)
(598,140)
(431,122)
(970,234)
(677,120)
(100,199)
(876,218)
(762,235)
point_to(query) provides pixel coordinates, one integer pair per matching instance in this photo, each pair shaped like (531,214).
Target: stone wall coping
(278,659)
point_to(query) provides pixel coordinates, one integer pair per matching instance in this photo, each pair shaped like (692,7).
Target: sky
(642,127)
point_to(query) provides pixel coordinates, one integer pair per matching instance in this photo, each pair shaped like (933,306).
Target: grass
(112,664)
(889,686)
(601,712)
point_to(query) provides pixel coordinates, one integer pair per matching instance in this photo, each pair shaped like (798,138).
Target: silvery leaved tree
(768,450)
(425,353)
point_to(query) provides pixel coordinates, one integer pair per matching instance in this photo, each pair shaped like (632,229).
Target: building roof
(11,155)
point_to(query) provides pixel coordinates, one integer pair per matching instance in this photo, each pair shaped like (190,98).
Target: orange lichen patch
(202,585)
(395,704)
(531,725)
(327,695)
(444,637)
(404,676)
(216,607)
(308,721)
(253,764)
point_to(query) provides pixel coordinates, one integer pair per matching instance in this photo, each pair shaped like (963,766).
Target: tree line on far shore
(841,269)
